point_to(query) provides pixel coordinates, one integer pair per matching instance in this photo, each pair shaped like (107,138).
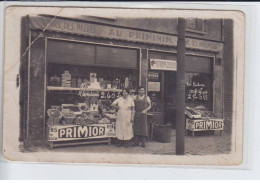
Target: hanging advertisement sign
(166,65)
(77,132)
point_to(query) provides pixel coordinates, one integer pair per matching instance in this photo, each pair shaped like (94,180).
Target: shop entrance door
(162,90)
(169,97)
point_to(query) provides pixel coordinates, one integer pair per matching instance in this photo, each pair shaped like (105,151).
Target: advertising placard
(77,132)
(161,64)
(204,124)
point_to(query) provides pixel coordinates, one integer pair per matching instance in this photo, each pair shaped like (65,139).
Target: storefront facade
(64,53)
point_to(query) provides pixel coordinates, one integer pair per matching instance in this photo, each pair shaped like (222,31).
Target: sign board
(204,124)
(196,91)
(110,32)
(97,30)
(166,65)
(153,76)
(154,86)
(198,44)
(77,132)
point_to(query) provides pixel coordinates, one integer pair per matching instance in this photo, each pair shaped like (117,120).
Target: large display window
(81,86)
(199,83)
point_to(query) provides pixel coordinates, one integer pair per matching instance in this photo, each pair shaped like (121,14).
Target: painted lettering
(69,133)
(62,132)
(111,32)
(82,131)
(131,34)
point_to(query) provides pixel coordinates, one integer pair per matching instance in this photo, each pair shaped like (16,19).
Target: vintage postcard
(123,86)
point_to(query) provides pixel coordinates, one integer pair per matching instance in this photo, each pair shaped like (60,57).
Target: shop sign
(160,64)
(204,124)
(154,86)
(109,32)
(90,29)
(203,45)
(153,76)
(76,132)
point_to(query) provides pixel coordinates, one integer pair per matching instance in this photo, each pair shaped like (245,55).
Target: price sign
(109,95)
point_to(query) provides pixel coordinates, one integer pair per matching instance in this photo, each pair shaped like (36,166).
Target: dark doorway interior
(169,97)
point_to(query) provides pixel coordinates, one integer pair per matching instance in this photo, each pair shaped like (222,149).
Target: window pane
(199,91)
(65,52)
(119,57)
(198,64)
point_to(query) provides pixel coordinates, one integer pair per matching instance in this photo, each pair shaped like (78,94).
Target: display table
(65,135)
(204,124)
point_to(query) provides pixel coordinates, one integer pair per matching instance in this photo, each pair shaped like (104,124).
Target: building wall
(228,72)
(212,27)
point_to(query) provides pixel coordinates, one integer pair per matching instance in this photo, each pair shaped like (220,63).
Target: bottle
(74,82)
(79,82)
(126,84)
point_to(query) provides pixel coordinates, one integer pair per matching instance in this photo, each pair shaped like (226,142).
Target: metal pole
(180,96)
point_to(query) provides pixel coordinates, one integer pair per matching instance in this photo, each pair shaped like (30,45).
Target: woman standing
(125,118)
(142,105)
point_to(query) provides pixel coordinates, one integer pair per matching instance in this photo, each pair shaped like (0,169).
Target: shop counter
(206,124)
(65,135)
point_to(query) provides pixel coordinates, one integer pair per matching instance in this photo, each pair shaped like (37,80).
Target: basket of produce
(54,116)
(68,116)
(162,133)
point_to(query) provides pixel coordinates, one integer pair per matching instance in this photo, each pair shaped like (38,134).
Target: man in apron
(142,105)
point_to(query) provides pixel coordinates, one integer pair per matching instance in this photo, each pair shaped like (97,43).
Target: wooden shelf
(58,88)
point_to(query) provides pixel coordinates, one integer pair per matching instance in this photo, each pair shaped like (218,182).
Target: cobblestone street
(198,145)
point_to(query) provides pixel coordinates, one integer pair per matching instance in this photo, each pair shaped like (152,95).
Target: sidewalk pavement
(198,145)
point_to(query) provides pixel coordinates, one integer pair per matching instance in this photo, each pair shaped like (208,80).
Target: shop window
(199,83)
(64,52)
(109,83)
(195,25)
(199,91)
(117,57)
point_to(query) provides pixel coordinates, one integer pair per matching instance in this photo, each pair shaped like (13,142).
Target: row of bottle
(76,82)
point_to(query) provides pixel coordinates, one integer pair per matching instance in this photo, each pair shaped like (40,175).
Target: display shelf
(58,88)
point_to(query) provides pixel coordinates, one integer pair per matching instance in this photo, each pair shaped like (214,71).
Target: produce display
(54,116)
(192,113)
(54,113)
(74,108)
(83,107)
(111,116)
(68,114)
(92,111)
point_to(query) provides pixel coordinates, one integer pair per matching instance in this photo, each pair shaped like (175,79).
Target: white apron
(124,128)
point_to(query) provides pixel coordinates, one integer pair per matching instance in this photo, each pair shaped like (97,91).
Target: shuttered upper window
(74,53)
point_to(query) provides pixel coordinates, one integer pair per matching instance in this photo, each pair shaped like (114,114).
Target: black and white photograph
(123,86)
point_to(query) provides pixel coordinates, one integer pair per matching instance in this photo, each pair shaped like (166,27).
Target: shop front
(75,69)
